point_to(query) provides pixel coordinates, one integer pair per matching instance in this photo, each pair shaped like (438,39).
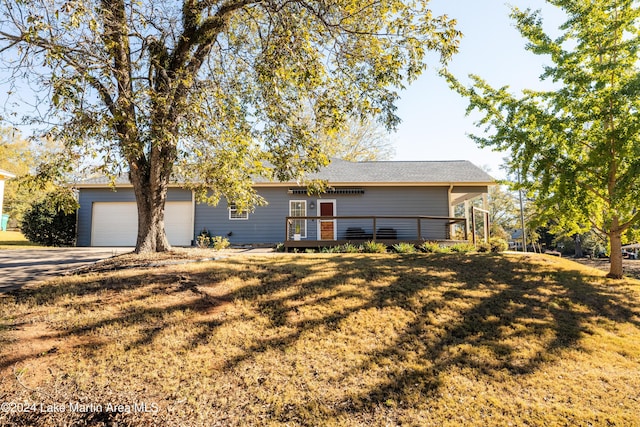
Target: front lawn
(327,339)
(15,240)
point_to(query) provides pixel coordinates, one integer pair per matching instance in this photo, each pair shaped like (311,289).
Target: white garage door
(116,223)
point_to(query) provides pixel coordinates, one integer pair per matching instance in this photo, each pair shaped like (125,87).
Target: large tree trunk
(615,241)
(151,194)
(577,240)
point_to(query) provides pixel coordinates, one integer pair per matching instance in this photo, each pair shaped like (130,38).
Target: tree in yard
(359,141)
(591,243)
(577,146)
(212,91)
(31,183)
(51,220)
(503,214)
(16,157)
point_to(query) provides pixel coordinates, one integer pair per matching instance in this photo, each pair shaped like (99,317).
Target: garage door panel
(178,223)
(116,223)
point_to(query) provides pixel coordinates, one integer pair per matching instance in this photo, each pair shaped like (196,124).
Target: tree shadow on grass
(493,315)
(552,311)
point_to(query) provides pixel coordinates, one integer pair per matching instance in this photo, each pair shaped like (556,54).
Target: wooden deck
(317,244)
(325,231)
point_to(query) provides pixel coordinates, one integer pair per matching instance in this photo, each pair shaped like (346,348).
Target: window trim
(244,216)
(303,230)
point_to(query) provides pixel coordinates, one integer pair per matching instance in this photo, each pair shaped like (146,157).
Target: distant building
(4,175)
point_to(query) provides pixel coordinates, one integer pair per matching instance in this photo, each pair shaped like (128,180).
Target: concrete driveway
(24,266)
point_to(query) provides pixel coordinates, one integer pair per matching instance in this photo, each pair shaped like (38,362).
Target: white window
(298,226)
(235,214)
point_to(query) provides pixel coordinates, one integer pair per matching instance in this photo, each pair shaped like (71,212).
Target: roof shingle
(374,172)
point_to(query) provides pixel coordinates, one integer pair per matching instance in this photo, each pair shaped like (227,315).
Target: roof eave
(385,184)
(333,184)
(6,174)
(116,186)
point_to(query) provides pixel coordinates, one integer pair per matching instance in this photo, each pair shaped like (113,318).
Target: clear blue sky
(434,126)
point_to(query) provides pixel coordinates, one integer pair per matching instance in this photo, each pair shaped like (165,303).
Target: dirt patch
(631,267)
(175,256)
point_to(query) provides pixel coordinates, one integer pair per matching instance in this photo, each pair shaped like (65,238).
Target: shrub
(280,247)
(442,249)
(51,221)
(498,245)
(435,248)
(219,243)
(349,248)
(483,247)
(204,239)
(430,247)
(463,248)
(404,248)
(371,247)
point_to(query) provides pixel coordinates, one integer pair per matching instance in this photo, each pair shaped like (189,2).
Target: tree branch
(117,45)
(205,33)
(634,219)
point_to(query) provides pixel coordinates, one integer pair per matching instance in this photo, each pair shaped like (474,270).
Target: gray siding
(389,201)
(88,196)
(267,223)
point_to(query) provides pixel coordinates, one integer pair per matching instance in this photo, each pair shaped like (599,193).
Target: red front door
(327,227)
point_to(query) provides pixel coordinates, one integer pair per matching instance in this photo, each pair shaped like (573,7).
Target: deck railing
(337,229)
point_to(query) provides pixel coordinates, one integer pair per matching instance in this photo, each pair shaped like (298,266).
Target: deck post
(466,230)
(486,227)
(374,228)
(473,226)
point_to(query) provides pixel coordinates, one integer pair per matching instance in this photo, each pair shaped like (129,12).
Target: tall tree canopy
(359,141)
(577,146)
(212,89)
(503,212)
(31,185)
(16,157)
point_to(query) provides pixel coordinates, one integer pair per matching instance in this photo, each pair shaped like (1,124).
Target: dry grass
(15,240)
(442,340)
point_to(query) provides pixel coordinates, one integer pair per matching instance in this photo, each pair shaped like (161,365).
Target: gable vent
(346,191)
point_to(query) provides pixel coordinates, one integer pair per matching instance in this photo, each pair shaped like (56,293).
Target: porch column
(452,212)
(487,220)
(466,215)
